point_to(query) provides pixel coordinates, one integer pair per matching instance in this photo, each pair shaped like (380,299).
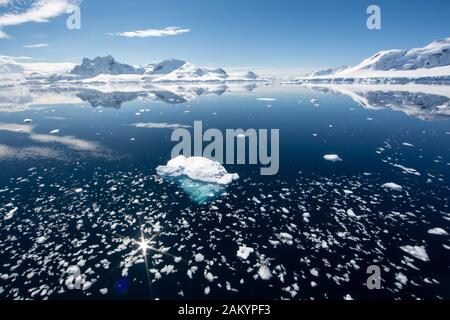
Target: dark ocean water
(85,195)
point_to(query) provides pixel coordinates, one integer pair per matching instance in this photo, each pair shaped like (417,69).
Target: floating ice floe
(417,252)
(406,144)
(27,120)
(407,170)
(199,257)
(10,214)
(351,213)
(264,273)
(393,186)
(244,252)
(56,131)
(332,157)
(438,232)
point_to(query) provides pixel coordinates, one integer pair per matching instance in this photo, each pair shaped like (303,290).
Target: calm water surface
(85,195)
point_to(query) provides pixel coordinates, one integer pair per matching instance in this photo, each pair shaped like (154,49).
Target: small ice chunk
(332,157)
(264,273)
(417,252)
(286,236)
(56,131)
(350,213)
(10,214)
(199,257)
(438,232)
(393,186)
(244,252)
(209,276)
(27,120)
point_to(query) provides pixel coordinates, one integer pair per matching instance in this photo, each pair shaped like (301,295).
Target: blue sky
(284,35)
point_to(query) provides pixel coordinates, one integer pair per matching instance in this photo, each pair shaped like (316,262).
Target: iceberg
(198,169)
(201,178)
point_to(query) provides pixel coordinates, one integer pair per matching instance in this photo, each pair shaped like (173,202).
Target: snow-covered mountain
(103,65)
(107,69)
(436,54)
(102,70)
(189,72)
(428,64)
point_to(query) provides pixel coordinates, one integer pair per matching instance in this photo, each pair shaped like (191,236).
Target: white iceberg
(201,178)
(198,169)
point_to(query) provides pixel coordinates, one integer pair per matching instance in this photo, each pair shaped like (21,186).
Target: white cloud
(38,45)
(40,11)
(169,31)
(4,3)
(3,35)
